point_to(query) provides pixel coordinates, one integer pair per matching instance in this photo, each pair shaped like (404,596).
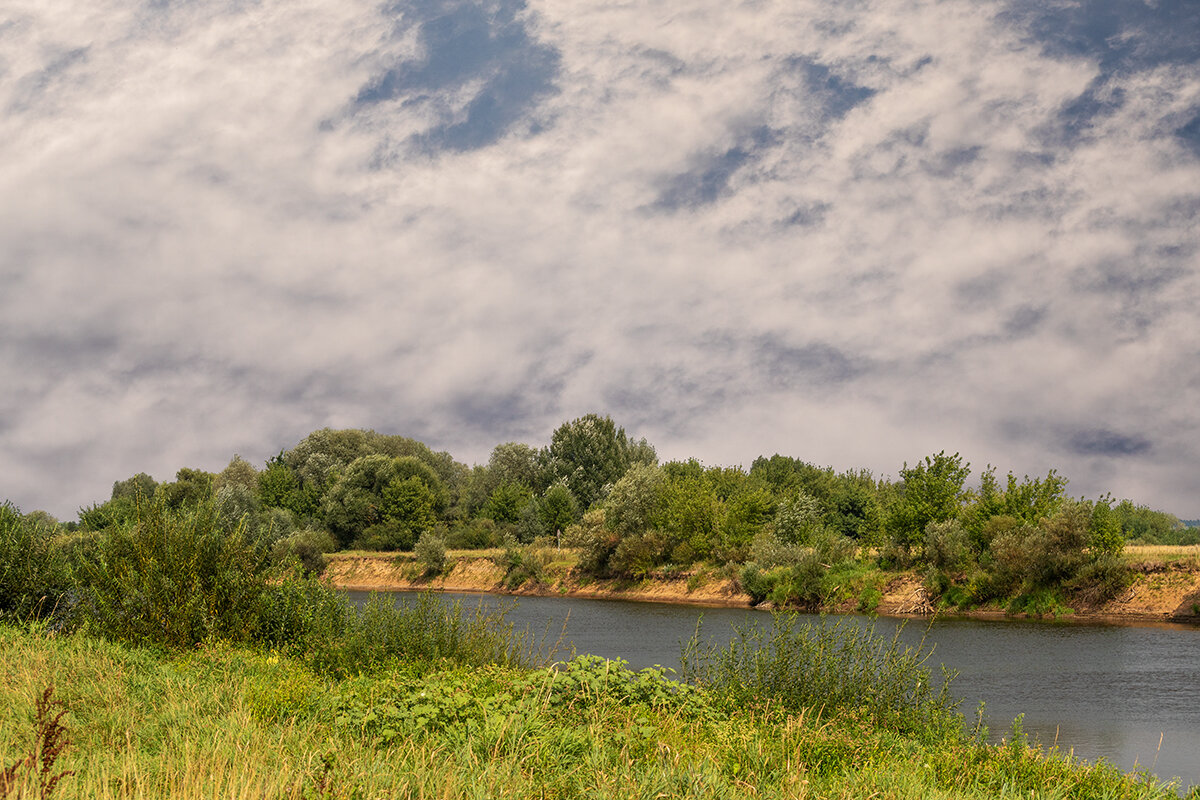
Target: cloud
(856,233)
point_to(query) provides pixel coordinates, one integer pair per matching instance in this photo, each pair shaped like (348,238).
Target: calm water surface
(1103,691)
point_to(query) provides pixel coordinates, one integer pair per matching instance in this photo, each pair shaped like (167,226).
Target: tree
(354,502)
(798,518)
(933,492)
(557,509)
(409,504)
(691,511)
(239,472)
(515,463)
(1105,535)
(191,487)
(131,487)
(507,502)
(588,454)
(635,502)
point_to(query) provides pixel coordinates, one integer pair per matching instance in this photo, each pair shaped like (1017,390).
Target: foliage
(635,502)
(514,463)
(557,509)
(1146,526)
(190,488)
(587,454)
(430,551)
(506,502)
(1104,534)
(933,492)
(523,564)
(383,502)
(307,547)
(174,578)
(810,581)
(475,534)
(798,518)
(827,670)
(33,574)
(239,472)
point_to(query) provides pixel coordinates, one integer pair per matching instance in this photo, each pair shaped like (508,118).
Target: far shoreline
(1165,596)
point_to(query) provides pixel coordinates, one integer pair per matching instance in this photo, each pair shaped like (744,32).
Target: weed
(49,741)
(827,669)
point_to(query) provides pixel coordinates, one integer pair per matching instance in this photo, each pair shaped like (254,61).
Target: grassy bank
(236,721)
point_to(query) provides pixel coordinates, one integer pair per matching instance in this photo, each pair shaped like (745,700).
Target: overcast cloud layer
(851,231)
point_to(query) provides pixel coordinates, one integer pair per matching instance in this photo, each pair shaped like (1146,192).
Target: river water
(1129,695)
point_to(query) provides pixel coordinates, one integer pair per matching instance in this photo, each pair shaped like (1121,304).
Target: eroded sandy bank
(1161,593)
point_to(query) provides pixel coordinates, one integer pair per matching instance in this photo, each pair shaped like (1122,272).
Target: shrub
(636,555)
(769,552)
(827,670)
(523,564)
(33,573)
(386,536)
(430,551)
(756,582)
(308,547)
(476,534)
(1101,579)
(174,578)
(811,581)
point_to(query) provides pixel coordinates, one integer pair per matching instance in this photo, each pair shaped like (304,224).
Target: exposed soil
(1161,592)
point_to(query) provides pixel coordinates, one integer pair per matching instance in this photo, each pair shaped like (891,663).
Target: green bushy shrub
(308,547)
(430,552)
(476,534)
(33,572)
(174,577)
(827,670)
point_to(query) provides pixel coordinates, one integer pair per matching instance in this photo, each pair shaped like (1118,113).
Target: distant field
(1162,552)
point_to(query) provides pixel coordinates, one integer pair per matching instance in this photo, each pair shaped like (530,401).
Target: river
(1129,695)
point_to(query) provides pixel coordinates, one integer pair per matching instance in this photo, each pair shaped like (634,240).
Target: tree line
(786,525)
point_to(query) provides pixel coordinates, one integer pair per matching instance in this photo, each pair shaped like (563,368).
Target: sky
(856,232)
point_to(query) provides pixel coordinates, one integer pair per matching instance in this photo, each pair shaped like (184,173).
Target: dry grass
(1185,555)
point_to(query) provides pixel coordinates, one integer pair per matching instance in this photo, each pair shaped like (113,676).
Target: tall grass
(825,669)
(307,620)
(223,721)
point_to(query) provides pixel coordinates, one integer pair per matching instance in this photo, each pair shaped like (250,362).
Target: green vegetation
(794,533)
(224,720)
(185,658)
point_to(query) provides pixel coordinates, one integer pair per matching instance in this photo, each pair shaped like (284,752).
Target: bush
(769,552)
(386,536)
(318,625)
(827,670)
(523,564)
(33,573)
(1102,579)
(174,578)
(636,555)
(308,547)
(476,534)
(812,580)
(430,551)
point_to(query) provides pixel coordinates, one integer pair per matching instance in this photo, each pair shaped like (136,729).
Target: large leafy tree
(589,454)
(636,500)
(933,492)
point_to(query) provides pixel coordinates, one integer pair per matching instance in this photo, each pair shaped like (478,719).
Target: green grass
(226,721)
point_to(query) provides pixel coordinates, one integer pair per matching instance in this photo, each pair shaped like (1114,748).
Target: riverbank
(1166,586)
(85,718)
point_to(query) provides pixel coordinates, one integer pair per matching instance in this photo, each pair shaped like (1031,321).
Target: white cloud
(207,256)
